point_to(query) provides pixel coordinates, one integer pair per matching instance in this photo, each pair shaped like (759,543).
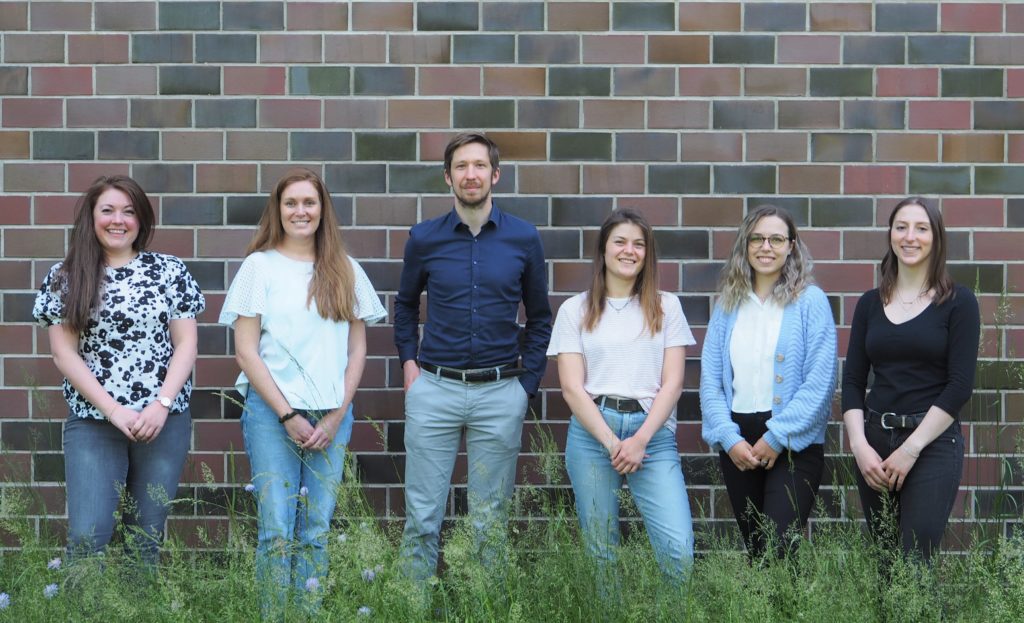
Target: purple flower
(369,575)
(364,611)
(303,491)
(5,601)
(50,591)
(249,488)
(54,564)
(312,584)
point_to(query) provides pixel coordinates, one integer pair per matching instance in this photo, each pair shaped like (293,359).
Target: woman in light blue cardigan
(768,372)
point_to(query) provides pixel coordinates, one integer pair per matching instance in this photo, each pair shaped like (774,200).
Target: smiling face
(300,210)
(115,223)
(766,260)
(471,176)
(911,236)
(624,253)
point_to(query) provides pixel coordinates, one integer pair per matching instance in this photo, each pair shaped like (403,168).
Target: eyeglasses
(776,241)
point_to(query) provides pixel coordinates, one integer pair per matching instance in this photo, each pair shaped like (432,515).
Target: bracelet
(287,416)
(112,411)
(909,453)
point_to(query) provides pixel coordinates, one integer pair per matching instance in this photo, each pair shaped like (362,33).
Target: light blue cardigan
(804,371)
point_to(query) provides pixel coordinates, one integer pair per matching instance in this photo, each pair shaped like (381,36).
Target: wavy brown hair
(333,282)
(938,278)
(645,288)
(738,275)
(80,277)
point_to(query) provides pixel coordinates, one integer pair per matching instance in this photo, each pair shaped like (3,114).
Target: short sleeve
(368,306)
(567,336)
(184,297)
(675,328)
(247,295)
(48,309)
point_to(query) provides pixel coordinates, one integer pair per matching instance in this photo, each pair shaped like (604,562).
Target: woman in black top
(918,332)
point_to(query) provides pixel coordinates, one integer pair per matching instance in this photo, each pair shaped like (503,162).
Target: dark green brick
(48,467)
(732,179)
(678,179)
(775,17)
(162,48)
(226,113)
(189,15)
(842,212)
(508,178)
(700,277)
(385,146)
(958,245)
(416,178)
(569,81)
(531,209)
(683,245)
(161,113)
(63,145)
(743,114)
(644,81)
(515,16)
(128,145)
(483,48)
(874,50)
(17,307)
(247,209)
(189,80)
(841,81)
(225,48)
(34,436)
(1015,213)
(742,49)
(321,145)
(798,207)
(484,113)
(447,16)
(164,178)
(874,115)
(384,81)
(549,49)
(939,49)
(697,309)
(549,113)
(986,278)
(643,16)
(318,80)
(646,146)
(559,244)
(929,180)
(998,115)
(192,210)
(253,15)
(999,180)
(840,147)
(972,82)
(579,211)
(13,80)
(581,146)
(906,17)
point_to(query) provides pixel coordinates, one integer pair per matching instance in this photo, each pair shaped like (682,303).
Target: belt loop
(604,399)
(497,370)
(437,373)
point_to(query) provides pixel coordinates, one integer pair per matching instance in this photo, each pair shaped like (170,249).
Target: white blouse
(752,351)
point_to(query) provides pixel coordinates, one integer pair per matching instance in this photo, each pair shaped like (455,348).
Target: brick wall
(691,112)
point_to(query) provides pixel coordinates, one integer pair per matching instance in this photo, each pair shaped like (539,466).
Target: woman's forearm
(64,346)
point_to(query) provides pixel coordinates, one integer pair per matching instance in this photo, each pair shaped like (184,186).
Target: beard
(472,204)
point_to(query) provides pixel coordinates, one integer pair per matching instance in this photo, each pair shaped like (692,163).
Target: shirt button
(780,357)
(777,400)
(778,378)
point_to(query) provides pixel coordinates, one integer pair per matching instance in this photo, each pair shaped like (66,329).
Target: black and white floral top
(127,343)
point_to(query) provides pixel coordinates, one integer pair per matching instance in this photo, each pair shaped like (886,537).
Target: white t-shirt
(620,356)
(305,353)
(752,353)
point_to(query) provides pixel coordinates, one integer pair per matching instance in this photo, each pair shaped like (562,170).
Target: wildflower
(54,564)
(249,488)
(312,584)
(369,575)
(364,611)
(342,537)
(176,605)
(303,491)
(5,601)
(50,591)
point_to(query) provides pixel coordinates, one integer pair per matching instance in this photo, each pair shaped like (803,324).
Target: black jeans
(921,508)
(783,495)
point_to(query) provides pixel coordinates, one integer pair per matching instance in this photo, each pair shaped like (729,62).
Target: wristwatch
(165,401)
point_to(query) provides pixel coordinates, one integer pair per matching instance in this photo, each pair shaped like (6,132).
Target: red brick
(62,81)
(61,15)
(972,17)
(515,145)
(96,49)
(81,175)
(418,49)
(33,177)
(1015,279)
(679,49)
(710,16)
(906,82)
(290,113)
(31,372)
(613,49)
(228,243)
(14,210)
(178,242)
(510,80)
(604,113)
(14,145)
(577,16)
(777,147)
(384,16)
(221,178)
(290,48)
(17,340)
(678,114)
(940,115)
(33,48)
(244,145)
(255,80)
(97,113)
(188,145)
(317,16)
(377,210)
(419,113)
(809,179)
(709,81)
(774,81)
(14,16)
(817,49)
(902,147)
(841,16)
(659,211)
(1015,18)
(874,180)
(432,145)
(712,211)
(15,403)
(554,179)
(823,244)
(212,435)
(1015,82)
(845,277)
(122,15)
(972,212)
(570,276)
(55,209)
(711,147)
(355,113)
(613,179)
(1007,50)
(998,245)
(33,113)
(449,80)
(134,80)
(1015,150)
(356,49)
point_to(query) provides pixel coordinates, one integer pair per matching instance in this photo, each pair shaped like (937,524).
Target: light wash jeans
(657,488)
(292,527)
(100,462)
(437,410)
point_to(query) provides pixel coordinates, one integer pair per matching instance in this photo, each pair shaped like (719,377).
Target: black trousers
(914,518)
(771,502)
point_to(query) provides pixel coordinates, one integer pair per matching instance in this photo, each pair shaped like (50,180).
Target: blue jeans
(437,410)
(100,463)
(292,527)
(657,488)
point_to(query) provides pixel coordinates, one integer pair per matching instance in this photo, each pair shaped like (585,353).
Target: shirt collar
(453,220)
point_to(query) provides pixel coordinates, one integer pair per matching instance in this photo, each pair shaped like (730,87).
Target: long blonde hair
(333,282)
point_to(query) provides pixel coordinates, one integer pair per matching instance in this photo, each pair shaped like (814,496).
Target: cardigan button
(780,357)
(778,378)
(777,400)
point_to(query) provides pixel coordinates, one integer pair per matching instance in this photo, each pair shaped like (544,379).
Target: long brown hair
(645,288)
(333,282)
(738,275)
(81,275)
(938,278)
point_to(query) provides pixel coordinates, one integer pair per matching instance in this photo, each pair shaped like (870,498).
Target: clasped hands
(759,456)
(310,437)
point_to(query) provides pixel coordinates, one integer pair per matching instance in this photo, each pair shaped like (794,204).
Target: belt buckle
(882,420)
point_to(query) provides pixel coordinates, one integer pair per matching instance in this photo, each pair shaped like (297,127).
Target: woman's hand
(742,456)
(897,465)
(324,431)
(765,454)
(871,467)
(124,420)
(150,422)
(629,455)
(299,429)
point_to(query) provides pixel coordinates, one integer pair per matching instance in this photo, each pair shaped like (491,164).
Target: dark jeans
(100,462)
(921,508)
(782,496)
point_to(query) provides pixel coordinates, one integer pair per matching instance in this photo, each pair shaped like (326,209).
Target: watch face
(165,401)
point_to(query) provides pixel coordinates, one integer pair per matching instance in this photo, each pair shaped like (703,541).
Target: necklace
(908,304)
(621,307)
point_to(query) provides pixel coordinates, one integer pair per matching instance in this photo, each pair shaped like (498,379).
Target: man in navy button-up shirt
(477,264)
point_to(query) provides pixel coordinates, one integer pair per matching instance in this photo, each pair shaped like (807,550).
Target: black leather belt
(890,420)
(622,405)
(474,375)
